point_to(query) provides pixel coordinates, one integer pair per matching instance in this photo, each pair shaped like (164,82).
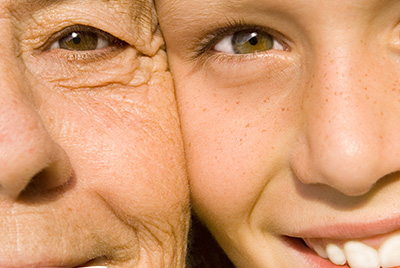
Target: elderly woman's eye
(82,38)
(246,42)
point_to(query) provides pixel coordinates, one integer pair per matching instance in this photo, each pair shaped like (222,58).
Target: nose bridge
(27,151)
(23,148)
(344,123)
(344,95)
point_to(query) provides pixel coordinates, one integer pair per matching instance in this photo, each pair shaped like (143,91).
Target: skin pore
(91,156)
(289,112)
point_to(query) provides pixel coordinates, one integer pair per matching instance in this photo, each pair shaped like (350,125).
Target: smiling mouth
(383,251)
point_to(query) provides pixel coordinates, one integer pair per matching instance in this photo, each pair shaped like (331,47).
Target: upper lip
(352,230)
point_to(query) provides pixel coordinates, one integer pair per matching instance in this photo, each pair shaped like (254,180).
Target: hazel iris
(246,42)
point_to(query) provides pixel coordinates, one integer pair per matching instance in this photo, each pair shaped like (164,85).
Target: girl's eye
(246,42)
(81,38)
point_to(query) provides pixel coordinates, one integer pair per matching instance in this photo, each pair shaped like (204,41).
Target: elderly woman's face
(290,115)
(90,153)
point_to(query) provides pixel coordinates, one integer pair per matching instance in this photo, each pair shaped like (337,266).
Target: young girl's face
(291,117)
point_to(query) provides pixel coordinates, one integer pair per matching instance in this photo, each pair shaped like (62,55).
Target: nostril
(37,186)
(41,171)
(48,182)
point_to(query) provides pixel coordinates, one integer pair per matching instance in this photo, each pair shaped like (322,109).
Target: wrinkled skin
(296,142)
(91,159)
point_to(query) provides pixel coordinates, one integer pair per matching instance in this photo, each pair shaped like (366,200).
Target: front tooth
(389,252)
(335,254)
(360,255)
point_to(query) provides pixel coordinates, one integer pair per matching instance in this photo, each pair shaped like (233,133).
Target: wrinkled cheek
(120,129)
(145,147)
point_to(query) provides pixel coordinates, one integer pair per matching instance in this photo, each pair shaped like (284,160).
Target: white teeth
(359,255)
(335,254)
(389,252)
(320,251)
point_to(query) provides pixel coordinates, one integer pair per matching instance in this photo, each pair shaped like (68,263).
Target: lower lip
(308,256)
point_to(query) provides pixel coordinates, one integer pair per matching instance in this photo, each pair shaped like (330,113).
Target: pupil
(253,41)
(76,40)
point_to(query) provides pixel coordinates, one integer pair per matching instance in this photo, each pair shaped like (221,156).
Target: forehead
(141,10)
(178,8)
(298,16)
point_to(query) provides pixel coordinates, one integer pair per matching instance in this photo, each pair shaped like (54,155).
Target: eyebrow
(144,12)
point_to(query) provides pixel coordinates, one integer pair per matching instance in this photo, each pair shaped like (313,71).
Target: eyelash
(206,44)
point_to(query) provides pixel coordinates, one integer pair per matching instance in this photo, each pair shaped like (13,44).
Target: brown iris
(79,41)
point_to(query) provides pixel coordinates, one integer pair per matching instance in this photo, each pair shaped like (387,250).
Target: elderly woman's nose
(30,161)
(351,128)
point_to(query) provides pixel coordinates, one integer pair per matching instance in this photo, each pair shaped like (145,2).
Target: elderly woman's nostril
(48,182)
(36,186)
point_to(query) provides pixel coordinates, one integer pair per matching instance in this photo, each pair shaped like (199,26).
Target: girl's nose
(351,130)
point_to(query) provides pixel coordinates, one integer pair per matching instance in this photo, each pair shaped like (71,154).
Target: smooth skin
(91,156)
(300,140)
